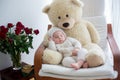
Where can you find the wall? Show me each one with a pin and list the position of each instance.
(29, 12)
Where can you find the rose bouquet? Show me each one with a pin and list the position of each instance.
(16, 39)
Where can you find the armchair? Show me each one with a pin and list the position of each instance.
(109, 71)
(113, 47)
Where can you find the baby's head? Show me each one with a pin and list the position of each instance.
(57, 35)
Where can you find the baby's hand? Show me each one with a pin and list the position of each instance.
(74, 52)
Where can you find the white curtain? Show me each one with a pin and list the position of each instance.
(116, 20)
(112, 12)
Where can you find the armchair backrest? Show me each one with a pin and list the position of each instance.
(93, 11)
(101, 25)
(93, 8)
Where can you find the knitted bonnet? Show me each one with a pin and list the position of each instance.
(52, 30)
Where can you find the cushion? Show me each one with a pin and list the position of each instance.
(101, 25)
(104, 71)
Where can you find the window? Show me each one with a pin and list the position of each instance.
(112, 13)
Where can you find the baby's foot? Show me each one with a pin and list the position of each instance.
(85, 65)
(76, 66)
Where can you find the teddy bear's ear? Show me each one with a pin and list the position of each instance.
(78, 3)
(46, 9)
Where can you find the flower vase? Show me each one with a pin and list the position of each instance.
(16, 60)
(16, 39)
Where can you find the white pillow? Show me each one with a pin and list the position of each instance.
(100, 23)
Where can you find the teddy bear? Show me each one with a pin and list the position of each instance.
(67, 15)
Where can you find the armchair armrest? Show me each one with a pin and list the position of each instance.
(38, 59)
(38, 55)
(114, 49)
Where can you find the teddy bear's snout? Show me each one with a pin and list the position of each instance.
(65, 24)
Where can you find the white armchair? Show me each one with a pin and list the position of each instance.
(94, 12)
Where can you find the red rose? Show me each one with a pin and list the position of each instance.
(2, 35)
(3, 29)
(28, 30)
(3, 32)
(17, 31)
(9, 25)
(36, 31)
(19, 25)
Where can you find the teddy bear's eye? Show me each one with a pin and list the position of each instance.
(67, 15)
(59, 17)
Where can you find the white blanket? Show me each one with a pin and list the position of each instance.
(104, 71)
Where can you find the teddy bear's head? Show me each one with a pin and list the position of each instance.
(64, 13)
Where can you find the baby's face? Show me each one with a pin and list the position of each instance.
(59, 37)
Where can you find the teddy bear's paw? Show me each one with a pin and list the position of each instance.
(94, 60)
(51, 57)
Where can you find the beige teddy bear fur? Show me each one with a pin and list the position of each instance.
(67, 15)
(51, 59)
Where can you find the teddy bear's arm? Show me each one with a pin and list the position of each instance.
(93, 33)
